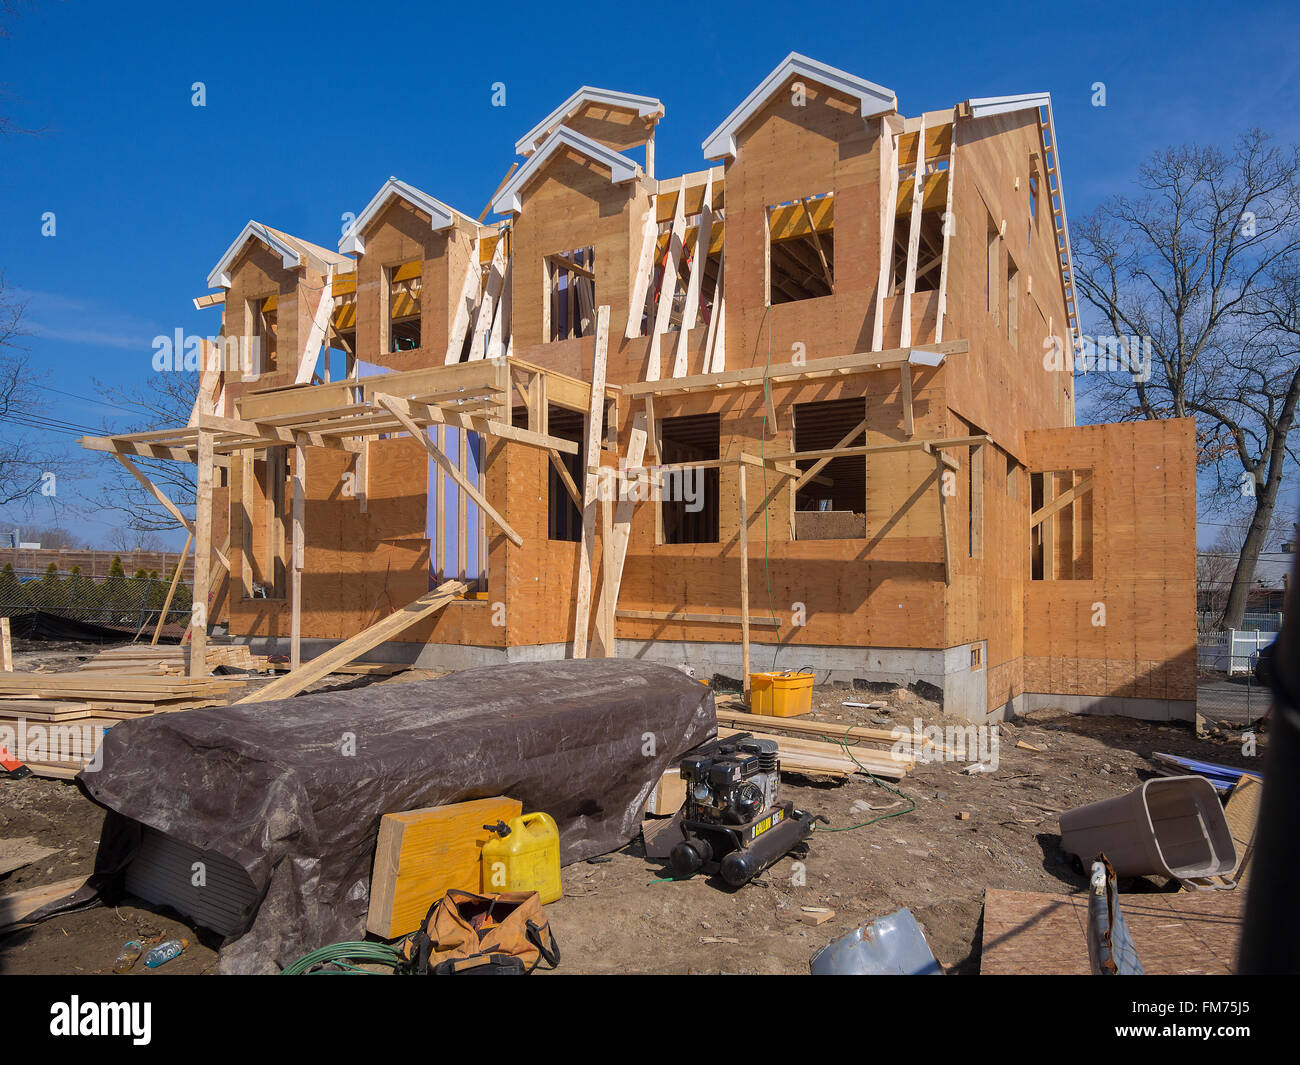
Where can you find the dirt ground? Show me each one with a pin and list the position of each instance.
(619, 914)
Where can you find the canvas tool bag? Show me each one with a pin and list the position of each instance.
(489, 935)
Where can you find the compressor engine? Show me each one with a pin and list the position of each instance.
(733, 821)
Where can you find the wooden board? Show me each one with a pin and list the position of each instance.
(310, 672)
(1039, 934)
(421, 854)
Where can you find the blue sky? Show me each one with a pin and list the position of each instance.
(309, 109)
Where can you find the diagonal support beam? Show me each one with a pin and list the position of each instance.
(1060, 502)
(168, 505)
(400, 409)
(595, 419)
(820, 464)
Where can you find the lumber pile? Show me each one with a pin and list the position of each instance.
(63, 716)
(170, 661)
(819, 758)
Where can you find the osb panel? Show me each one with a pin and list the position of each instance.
(1131, 629)
(1029, 933)
(616, 127)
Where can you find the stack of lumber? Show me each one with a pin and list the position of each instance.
(854, 749)
(64, 715)
(1223, 777)
(140, 659)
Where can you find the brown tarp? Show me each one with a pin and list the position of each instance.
(293, 790)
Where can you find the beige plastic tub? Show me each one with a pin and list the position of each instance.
(1170, 826)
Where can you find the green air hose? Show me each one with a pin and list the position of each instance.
(354, 951)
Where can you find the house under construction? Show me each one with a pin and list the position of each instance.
(809, 406)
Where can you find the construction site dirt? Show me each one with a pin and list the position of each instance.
(933, 843)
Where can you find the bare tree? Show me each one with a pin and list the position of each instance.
(165, 399)
(1198, 271)
(55, 538)
(9, 12)
(134, 541)
(30, 466)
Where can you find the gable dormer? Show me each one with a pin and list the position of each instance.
(577, 205)
(619, 120)
(412, 254)
(274, 285)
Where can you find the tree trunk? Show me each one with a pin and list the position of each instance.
(1260, 522)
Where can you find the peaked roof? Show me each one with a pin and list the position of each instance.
(644, 106)
(1001, 105)
(293, 252)
(441, 216)
(874, 99)
(621, 168)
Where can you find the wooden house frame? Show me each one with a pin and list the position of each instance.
(850, 337)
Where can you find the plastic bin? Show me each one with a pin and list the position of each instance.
(780, 694)
(1170, 826)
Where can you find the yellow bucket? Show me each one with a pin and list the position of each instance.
(780, 694)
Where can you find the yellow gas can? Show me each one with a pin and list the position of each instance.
(525, 858)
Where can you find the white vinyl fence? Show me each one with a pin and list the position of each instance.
(1232, 651)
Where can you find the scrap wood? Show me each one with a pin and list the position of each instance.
(349, 650)
(1223, 777)
(16, 908)
(1038, 933)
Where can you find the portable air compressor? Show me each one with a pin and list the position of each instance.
(733, 821)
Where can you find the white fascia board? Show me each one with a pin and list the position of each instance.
(873, 99)
(644, 106)
(926, 358)
(1002, 105)
(220, 275)
(621, 168)
(441, 216)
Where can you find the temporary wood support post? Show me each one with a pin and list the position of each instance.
(6, 646)
(913, 235)
(622, 528)
(889, 136)
(644, 272)
(744, 576)
(488, 305)
(691, 310)
(171, 591)
(947, 236)
(401, 410)
(668, 283)
(297, 548)
(943, 520)
(464, 306)
(386, 629)
(905, 393)
(202, 555)
(595, 416)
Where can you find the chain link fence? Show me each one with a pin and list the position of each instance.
(116, 600)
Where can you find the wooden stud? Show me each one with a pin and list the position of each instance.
(913, 236)
(621, 533)
(171, 590)
(888, 205)
(202, 555)
(7, 646)
(744, 576)
(297, 549)
(586, 552)
(905, 393)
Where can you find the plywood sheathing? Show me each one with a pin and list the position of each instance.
(1143, 514)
